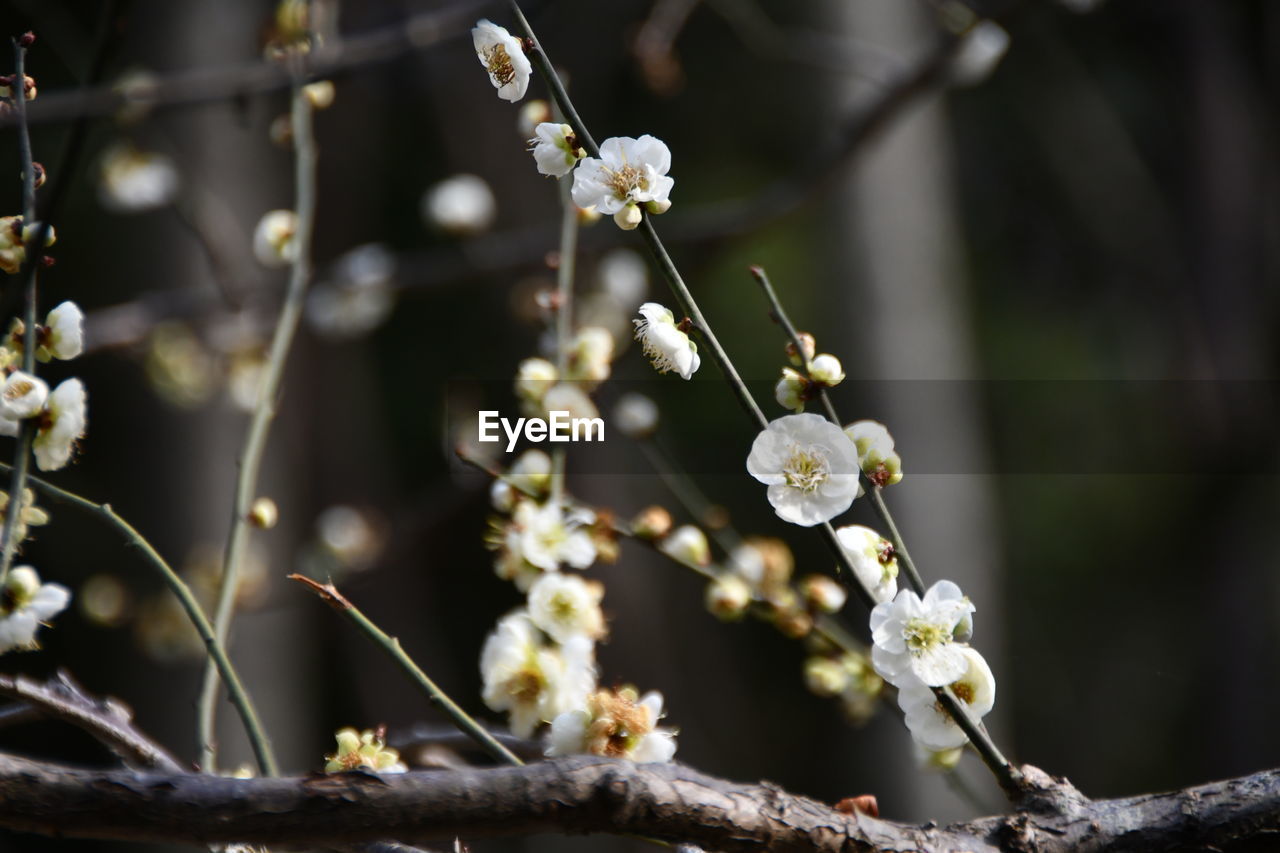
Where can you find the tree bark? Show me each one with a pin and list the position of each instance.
(588, 795)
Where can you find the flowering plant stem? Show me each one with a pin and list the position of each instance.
(872, 491)
(564, 316)
(256, 440)
(464, 721)
(27, 431)
(1008, 777)
(235, 688)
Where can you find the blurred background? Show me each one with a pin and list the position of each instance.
(1046, 253)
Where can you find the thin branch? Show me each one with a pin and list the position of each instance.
(195, 86)
(255, 444)
(235, 688)
(564, 317)
(106, 719)
(588, 795)
(464, 721)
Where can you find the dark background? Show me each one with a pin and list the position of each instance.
(1102, 219)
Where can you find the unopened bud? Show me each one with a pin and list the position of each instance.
(628, 219)
(810, 346)
(319, 94)
(652, 522)
(792, 390)
(687, 544)
(826, 370)
(795, 624)
(27, 39)
(825, 677)
(822, 594)
(658, 206)
(40, 174)
(264, 514)
(728, 597)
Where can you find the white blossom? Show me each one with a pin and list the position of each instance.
(665, 345)
(357, 297)
(590, 354)
(616, 724)
(22, 396)
(569, 397)
(532, 681)
(873, 559)
(915, 638)
(628, 172)
(792, 390)
(63, 334)
(688, 544)
(930, 724)
(548, 536)
(555, 149)
(462, 204)
(826, 370)
(25, 605)
(503, 57)
(62, 426)
(133, 180)
(635, 415)
(273, 239)
(534, 377)
(876, 455)
(810, 467)
(565, 606)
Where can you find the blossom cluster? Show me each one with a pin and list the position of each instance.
(60, 414)
(630, 173)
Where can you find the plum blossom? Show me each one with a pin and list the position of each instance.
(915, 639)
(61, 426)
(628, 172)
(810, 467)
(566, 606)
(555, 149)
(873, 559)
(503, 57)
(25, 605)
(930, 724)
(532, 681)
(664, 343)
(617, 724)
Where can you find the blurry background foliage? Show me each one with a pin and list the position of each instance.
(1106, 204)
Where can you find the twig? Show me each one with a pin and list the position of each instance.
(28, 427)
(872, 491)
(264, 413)
(235, 688)
(465, 723)
(564, 317)
(106, 719)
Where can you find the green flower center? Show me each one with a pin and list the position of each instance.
(806, 469)
(922, 635)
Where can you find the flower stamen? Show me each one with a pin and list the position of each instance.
(806, 469)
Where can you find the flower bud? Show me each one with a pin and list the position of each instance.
(658, 206)
(792, 390)
(728, 597)
(32, 231)
(826, 370)
(687, 544)
(534, 377)
(264, 513)
(636, 416)
(652, 522)
(273, 243)
(825, 677)
(809, 345)
(795, 624)
(822, 594)
(628, 219)
(319, 94)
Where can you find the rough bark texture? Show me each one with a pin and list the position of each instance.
(583, 795)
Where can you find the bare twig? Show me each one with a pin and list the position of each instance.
(106, 719)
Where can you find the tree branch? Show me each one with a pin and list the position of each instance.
(587, 795)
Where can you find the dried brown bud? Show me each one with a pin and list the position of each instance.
(864, 804)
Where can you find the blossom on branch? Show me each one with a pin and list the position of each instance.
(617, 724)
(503, 57)
(873, 559)
(530, 680)
(566, 606)
(61, 426)
(25, 605)
(555, 149)
(628, 173)
(810, 467)
(915, 639)
(930, 724)
(664, 343)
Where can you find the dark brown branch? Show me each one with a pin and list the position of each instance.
(222, 83)
(108, 720)
(587, 795)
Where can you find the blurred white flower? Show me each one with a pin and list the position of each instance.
(549, 537)
(566, 606)
(503, 57)
(980, 51)
(688, 544)
(273, 243)
(624, 275)
(635, 415)
(590, 354)
(25, 605)
(810, 467)
(792, 390)
(357, 297)
(462, 204)
(533, 682)
(914, 638)
(664, 344)
(133, 180)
